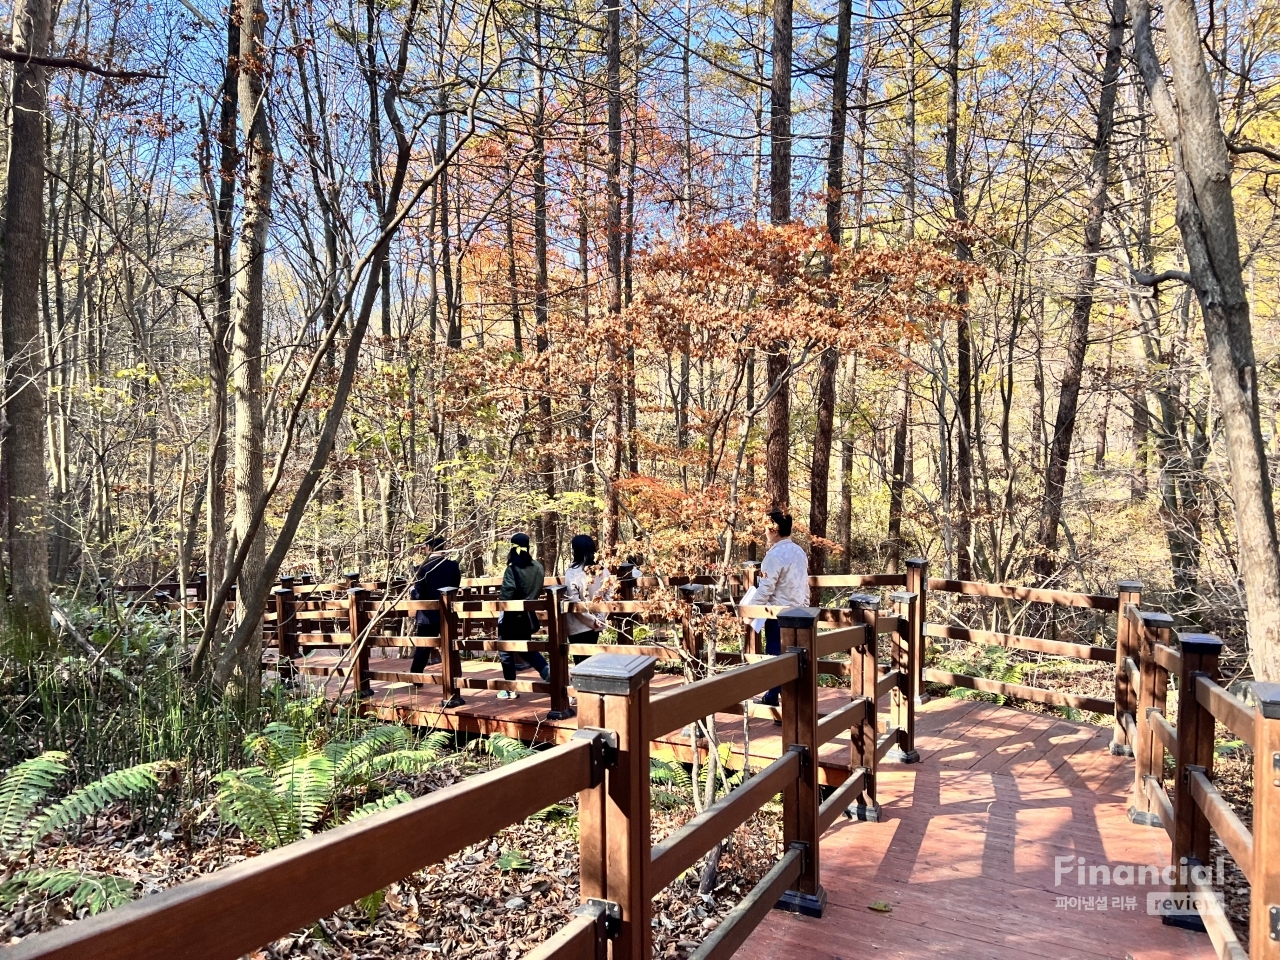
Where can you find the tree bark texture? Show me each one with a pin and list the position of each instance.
(778, 428)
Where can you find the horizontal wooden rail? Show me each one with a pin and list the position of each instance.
(1135, 674)
(502, 646)
(1059, 648)
(1034, 694)
(834, 724)
(675, 854)
(1233, 713)
(1166, 733)
(888, 740)
(674, 709)
(239, 908)
(734, 929)
(584, 937)
(1235, 836)
(1001, 591)
(1221, 934)
(833, 668)
(840, 641)
(892, 680)
(644, 649)
(1167, 658)
(519, 686)
(1159, 798)
(859, 580)
(845, 796)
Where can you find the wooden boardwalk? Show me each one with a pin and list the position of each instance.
(964, 854)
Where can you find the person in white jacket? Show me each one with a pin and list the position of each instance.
(783, 582)
(583, 583)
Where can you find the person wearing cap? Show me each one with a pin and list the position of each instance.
(438, 570)
(783, 582)
(581, 586)
(523, 580)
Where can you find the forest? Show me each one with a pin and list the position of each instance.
(294, 287)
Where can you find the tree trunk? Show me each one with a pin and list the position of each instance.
(820, 469)
(1077, 336)
(778, 431)
(613, 224)
(246, 350)
(1206, 218)
(26, 492)
(541, 296)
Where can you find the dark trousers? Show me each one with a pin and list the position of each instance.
(511, 662)
(773, 648)
(423, 657)
(587, 636)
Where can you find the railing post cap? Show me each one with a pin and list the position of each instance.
(1199, 643)
(1129, 586)
(286, 580)
(357, 589)
(1267, 697)
(863, 601)
(692, 587)
(1156, 618)
(917, 562)
(903, 596)
(612, 674)
(283, 591)
(798, 617)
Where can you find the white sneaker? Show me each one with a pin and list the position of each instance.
(508, 695)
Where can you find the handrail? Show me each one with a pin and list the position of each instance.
(1035, 694)
(746, 916)
(1235, 836)
(1003, 591)
(834, 724)
(237, 909)
(582, 938)
(1060, 648)
(1234, 714)
(840, 641)
(1167, 658)
(674, 709)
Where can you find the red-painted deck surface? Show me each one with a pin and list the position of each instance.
(965, 852)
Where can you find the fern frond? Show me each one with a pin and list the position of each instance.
(93, 798)
(25, 786)
(402, 761)
(379, 740)
(247, 799)
(376, 806)
(307, 784)
(276, 745)
(665, 771)
(502, 748)
(97, 891)
(437, 742)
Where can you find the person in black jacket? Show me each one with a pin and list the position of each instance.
(438, 570)
(523, 580)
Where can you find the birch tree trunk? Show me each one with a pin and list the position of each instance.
(26, 493)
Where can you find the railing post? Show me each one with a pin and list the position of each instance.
(1130, 592)
(800, 798)
(1264, 912)
(1148, 752)
(613, 817)
(1195, 749)
(557, 655)
(286, 629)
(359, 648)
(918, 583)
(863, 675)
(450, 662)
(902, 702)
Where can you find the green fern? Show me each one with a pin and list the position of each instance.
(248, 800)
(308, 784)
(374, 742)
(502, 748)
(670, 773)
(22, 790)
(377, 806)
(93, 798)
(276, 745)
(96, 891)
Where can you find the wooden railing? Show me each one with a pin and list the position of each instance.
(1196, 807)
(239, 909)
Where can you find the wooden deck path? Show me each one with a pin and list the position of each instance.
(964, 854)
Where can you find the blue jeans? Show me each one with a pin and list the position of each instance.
(511, 662)
(773, 648)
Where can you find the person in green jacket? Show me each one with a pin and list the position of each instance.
(523, 580)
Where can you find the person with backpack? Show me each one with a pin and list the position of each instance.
(438, 570)
(522, 580)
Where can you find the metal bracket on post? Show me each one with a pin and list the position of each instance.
(612, 915)
(604, 750)
(805, 904)
(803, 654)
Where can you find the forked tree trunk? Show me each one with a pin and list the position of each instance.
(1206, 218)
(1077, 335)
(26, 491)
